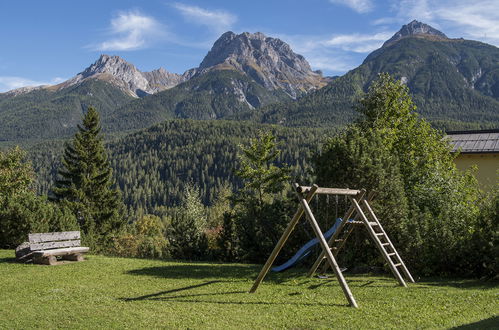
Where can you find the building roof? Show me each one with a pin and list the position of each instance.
(484, 141)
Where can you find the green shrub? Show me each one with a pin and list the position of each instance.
(27, 213)
(145, 238)
(186, 233)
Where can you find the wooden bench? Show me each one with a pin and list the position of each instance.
(46, 247)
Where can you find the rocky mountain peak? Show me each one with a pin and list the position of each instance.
(126, 76)
(415, 28)
(269, 61)
(114, 65)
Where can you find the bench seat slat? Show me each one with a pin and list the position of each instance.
(54, 245)
(56, 236)
(61, 252)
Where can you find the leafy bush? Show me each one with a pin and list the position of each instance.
(21, 211)
(32, 214)
(145, 238)
(426, 205)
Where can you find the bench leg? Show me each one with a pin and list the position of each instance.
(49, 260)
(74, 257)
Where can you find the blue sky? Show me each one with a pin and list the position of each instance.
(46, 42)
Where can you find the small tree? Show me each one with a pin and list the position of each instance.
(261, 209)
(262, 178)
(186, 234)
(86, 183)
(21, 211)
(16, 174)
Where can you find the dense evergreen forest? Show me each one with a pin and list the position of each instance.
(152, 166)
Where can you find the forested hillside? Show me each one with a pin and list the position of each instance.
(213, 95)
(152, 166)
(45, 113)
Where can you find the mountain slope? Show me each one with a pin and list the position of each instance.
(44, 113)
(153, 165)
(454, 83)
(213, 95)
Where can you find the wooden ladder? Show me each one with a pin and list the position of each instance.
(375, 230)
(383, 242)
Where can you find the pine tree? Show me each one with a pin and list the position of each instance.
(86, 183)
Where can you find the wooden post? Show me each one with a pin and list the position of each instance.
(329, 255)
(347, 216)
(283, 239)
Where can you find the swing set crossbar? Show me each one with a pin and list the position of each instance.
(328, 191)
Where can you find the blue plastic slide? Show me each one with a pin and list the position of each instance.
(305, 249)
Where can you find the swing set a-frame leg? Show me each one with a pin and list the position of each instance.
(282, 240)
(329, 255)
(322, 255)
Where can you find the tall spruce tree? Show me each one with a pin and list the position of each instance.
(85, 183)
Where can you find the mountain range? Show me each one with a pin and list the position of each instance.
(454, 82)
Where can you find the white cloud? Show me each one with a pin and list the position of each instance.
(360, 6)
(131, 30)
(335, 54)
(216, 20)
(335, 64)
(358, 43)
(8, 83)
(477, 20)
(457, 18)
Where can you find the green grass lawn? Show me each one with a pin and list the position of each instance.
(105, 292)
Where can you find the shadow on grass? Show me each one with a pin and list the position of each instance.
(490, 323)
(235, 272)
(214, 271)
(460, 283)
(9, 260)
(194, 297)
(151, 296)
(197, 271)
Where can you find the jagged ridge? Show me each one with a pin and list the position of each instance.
(415, 28)
(269, 61)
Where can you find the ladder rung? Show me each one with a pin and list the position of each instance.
(396, 265)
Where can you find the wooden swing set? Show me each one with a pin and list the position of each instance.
(358, 214)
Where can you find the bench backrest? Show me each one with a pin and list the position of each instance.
(46, 241)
